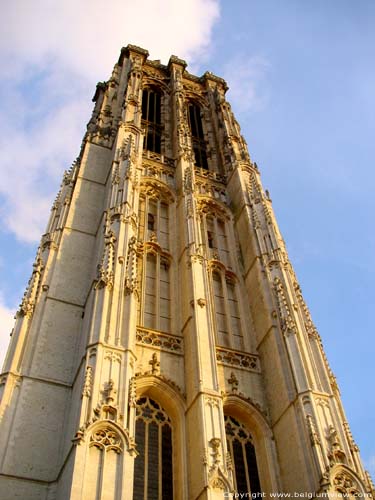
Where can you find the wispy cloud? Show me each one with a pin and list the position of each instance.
(247, 80)
(53, 54)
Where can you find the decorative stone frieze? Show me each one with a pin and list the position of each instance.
(161, 340)
(230, 357)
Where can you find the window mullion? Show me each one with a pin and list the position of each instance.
(144, 270)
(157, 292)
(157, 232)
(216, 239)
(230, 441)
(246, 466)
(154, 128)
(227, 310)
(160, 463)
(146, 462)
(148, 106)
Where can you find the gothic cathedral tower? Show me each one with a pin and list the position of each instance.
(163, 349)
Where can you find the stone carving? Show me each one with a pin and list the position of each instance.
(158, 158)
(110, 391)
(233, 381)
(344, 483)
(212, 402)
(106, 439)
(102, 130)
(188, 181)
(113, 356)
(288, 324)
(156, 190)
(106, 267)
(131, 284)
(209, 174)
(132, 392)
(314, 438)
(215, 444)
(87, 384)
(161, 173)
(248, 400)
(164, 379)
(236, 358)
(218, 483)
(164, 341)
(207, 205)
(336, 454)
(107, 409)
(29, 299)
(154, 363)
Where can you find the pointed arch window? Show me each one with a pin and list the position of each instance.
(151, 120)
(157, 293)
(227, 312)
(215, 238)
(242, 452)
(197, 136)
(154, 221)
(221, 320)
(153, 467)
(154, 265)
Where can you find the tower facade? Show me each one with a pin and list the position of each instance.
(163, 349)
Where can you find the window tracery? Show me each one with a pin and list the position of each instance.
(197, 136)
(154, 264)
(242, 452)
(151, 119)
(153, 467)
(154, 214)
(227, 314)
(215, 238)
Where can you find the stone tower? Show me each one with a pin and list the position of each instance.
(163, 349)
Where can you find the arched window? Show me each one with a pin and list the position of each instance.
(221, 319)
(234, 313)
(227, 313)
(157, 294)
(241, 449)
(197, 136)
(154, 216)
(154, 265)
(151, 120)
(153, 468)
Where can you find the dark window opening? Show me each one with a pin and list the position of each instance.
(150, 222)
(210, 239)
(153, 467)
(197, 136)
(151, 120)
(242, 451)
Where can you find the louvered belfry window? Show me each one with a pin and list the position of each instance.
(197, 136)
(153, 469)
(242, 452)
(151, 120)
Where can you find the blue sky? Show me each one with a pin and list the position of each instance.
(302, 80)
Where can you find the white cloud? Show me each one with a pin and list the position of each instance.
(247, 80)
(52, 55)
(6, 325)
(86, 36)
